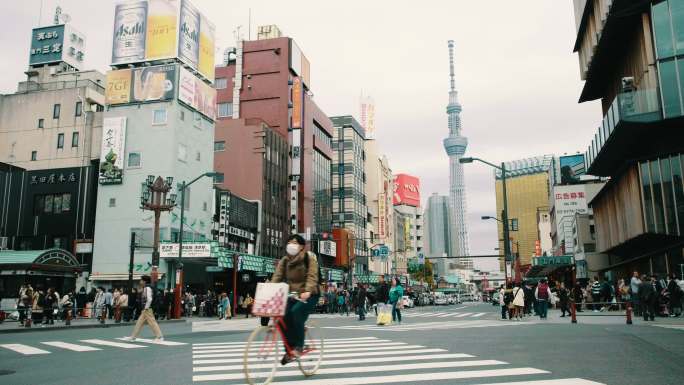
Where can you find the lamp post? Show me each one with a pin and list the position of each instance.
(155, 197)
(179, 270)
(504, 212)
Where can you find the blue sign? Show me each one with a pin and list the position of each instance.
(421, 259)
(381, 252)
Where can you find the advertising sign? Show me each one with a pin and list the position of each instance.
(407, 232)
(571, 168)
(163, 29)
(328, 248)
(406, 190)
(56, 43)
(140, 85)
(190, 250)
(297, 102)
(382, 207)
(197, 94)
(112, 152)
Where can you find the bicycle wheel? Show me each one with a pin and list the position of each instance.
(312, 355)
(262, 353)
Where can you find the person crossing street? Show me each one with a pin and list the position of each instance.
(147, 315)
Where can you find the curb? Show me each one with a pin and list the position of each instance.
(90, 326)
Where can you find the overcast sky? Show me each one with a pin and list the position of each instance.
(517, 77)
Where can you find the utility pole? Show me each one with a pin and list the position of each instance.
(130, 264)
(504, 219)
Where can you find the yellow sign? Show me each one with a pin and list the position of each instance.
(206, 49)
(118, 87)
(160, 39)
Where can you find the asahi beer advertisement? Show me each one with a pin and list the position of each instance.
(112, 153)
(163, 29)
(197, 94)
(140, 85)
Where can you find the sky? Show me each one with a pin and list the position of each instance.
(517, 77)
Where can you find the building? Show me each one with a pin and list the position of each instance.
(587, 260)
(159, 122)
(438, 233)
(630, 60)
(269, 80)
(408, 222)
(527, 186)
(349, 185)
(455, 146)
(567, 201)
(379, 224)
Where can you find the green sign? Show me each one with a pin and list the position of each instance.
(554, 260)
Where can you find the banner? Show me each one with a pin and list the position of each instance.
(197, 94)
(382, 201)
(207, 42)
(112, 152)
(297, 102)
(139, 85)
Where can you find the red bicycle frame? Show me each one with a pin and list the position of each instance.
(279, 326)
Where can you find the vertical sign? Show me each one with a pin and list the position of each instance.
(188, 36)
(112, 152)
(161, 34)
(207, 39)
(297, 102)
(382, 200)
(130, 26)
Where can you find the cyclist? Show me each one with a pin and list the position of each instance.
(293, 270)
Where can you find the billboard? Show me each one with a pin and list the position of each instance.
(190, 250)
(406, 190)
(297, 102)
(571, 168)
(112, 152)
(300, 64)
(382, 215)
(56, 43)
(197, 94)
(140, 85)
(149, 30)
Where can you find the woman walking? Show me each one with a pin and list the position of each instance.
(518, 302)
(395, 298)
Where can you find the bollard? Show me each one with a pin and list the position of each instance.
(629, 313)
(574, 313)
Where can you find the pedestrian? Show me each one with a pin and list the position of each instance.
(170, 301)
(518, 302)
(108, 303)
(634, 285)
(99, 305)
(116, 306)
(596, 294)
(123, 305)
(340, 303)
(675, 293)
(382, 292)
(49, 307)
(25, 305)
(648, 297)
(361, 296)
(529, 298)
(543, 294)
(67, 303)
(147, 315)
(396, 294)
(502, 302)
(133, 305)
(189, 303)
(38, 304)
(563, 297)
(660, 287)
(623, 292)
(247, 305)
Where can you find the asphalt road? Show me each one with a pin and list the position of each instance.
(458, 344)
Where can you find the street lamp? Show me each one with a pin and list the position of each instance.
(155, 197)
(504, 212)
(179, 269)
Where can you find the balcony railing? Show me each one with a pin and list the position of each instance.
(641, 106)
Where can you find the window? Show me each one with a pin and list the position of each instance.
(159, 116)
(662, 28)
(182, 115)
(225, 110)
(182, 152)
(60, 140)
(221, 83)
(66, 202)
(204, 206)
(112, 202)
(74, 139)
(220, 145)
(34, 155)
(79, 108)
(99, 108)
(218, 178)
(55, 111)
(41, 123)
(133, 160)
(198, 156)
(669, 88)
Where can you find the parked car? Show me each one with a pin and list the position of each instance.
(407, 301)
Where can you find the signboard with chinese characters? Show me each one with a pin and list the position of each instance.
(112, 152)
(150, 30)
(554, 260)
(569, 200)
(327, 248)
(140, 85)
(190, 250)
(57, 43)
(52, 178)
(382, 215)
(197, 94)
(297, 102)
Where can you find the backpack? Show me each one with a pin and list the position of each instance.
(508, 297)
(155, 298)
(543, 291)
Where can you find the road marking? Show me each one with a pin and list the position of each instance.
(446, 315)
(68, 346)
(24, 349)
(327, 346)
(673, 327)
(240, 353)
(243, 343)
(563, 381)
(336, 355)
(479, 314)
(151, 341)
(327, 343)
(356, 369)
(112, 343)
(460, 315)
(367, 360)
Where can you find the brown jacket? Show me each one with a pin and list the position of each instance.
(298, 278)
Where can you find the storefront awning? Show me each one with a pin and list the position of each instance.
(118, 276)
(248, 262)
(51, 259)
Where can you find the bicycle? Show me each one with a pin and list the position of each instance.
(264, 351)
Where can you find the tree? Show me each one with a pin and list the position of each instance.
(420, 272)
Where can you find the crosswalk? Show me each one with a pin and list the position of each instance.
(397, 327)
(372, 360)
(674, 327)
(87, 345)
(409, 314)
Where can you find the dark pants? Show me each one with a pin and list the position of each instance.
(504, 312)
(543, 308)
(564, 308)
(295, 317)
(650, 309)
(362, 312)
(396, 313)
(344, 309)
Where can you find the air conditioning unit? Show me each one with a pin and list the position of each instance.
(3, 243)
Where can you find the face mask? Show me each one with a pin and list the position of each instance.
(292, 249)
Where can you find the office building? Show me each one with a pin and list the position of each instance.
(380, 221)
(408, 221)
(438, 233)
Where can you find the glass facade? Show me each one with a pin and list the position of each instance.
(275, 199)
(322, 182)
(668, 27)
(663, 194)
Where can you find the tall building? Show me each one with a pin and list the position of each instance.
(438, 232)
(408, 221)
(349, 209)
(379, 225)
(527, 189)
(630, 56)
(455, 146)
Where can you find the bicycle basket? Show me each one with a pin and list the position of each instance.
(270, 299)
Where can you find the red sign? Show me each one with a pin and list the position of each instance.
(406, 190)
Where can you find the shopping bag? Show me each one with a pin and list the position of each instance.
(270, 299)
(384, 314)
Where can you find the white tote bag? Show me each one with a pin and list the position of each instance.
(270, 299)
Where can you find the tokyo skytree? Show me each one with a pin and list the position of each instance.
(455, 146)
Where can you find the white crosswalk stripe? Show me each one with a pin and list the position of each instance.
(405, 313)
(675, 327)
(89, 345)
(397, 364)
(396, 327)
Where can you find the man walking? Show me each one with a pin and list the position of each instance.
(596, 294)
(382, 293)
(543, 293)
(361, 302)
(147, 315)
(648, 298)
(634, 285)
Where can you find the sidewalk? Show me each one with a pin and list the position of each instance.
(607, 318)
(80, 323)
